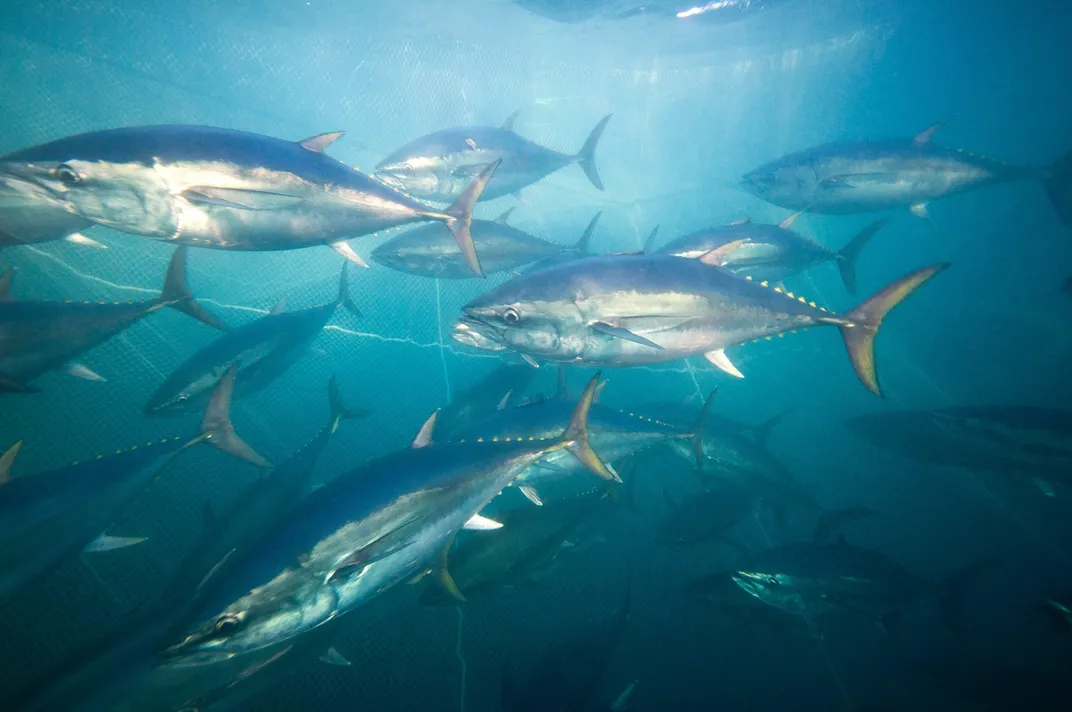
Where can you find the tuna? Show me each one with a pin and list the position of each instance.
(439, 166)
(639, 309)
(772, 252)
(262, 351)
(358, 536)
(429, 252)
(1025, 441)
(38, 337)
(867, 176)
(217, 188)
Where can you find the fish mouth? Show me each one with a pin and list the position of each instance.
(475, 332)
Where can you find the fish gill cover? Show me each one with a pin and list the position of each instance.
(949, 123)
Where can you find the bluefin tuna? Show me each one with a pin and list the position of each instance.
(614, 434)
(817, 580)
(636, 309)
(1024, 441)
(119, 670)
(220, 188)
(772, 252)
(262, 350)
(429, 252)
(52, 515)
(438, 166)
(358, 536)
(37, 337)
(866, 176)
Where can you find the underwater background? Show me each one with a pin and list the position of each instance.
(696, 103)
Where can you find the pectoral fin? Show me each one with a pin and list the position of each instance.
(239, 199)
(104, 542)
(333, 657)
(344, 249)
(856, 180)
(80, 370)
(77, 238)
(1045, 487)
(481, 523)
(721, 360)
(624, 334)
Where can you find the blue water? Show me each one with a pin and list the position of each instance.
(697, 102)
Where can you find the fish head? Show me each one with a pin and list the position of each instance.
(123, 196)
(782, 183)
(514, 317)
(290, 605)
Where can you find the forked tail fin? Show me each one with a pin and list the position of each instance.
(863, 322)
(461, 216)
(847, 256)
(217, 428)
(178, 295)
(586, 157)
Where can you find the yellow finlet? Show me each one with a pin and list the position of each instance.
(763, 283)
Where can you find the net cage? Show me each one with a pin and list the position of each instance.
(386, 73)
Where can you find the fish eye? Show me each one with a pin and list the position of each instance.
(66, 175)
(227, 624)
(510, 316)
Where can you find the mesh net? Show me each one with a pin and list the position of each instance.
(385, 75)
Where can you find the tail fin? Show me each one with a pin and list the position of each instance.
(461, 216)
(177, 292)
(339, 409)
(831, 522)
(698, 428)
(953, 589)
(762, 432)
(5, 283)
(6, 460)
(864, 321)
(217, 428)
(343, 299)
(575, 437)
(847, 256)
(1058, 183)
(582, 245)
(586, 157)
(649, 242)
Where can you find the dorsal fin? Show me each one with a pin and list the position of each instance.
(505, 216)
(742, 221)
(318, 143)
(586, 236)
(424, 435)
(279, 306)
(5, 462)
(927, 134)
(5, 283)
(785, 224)
(508, 125)
(649, 242)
